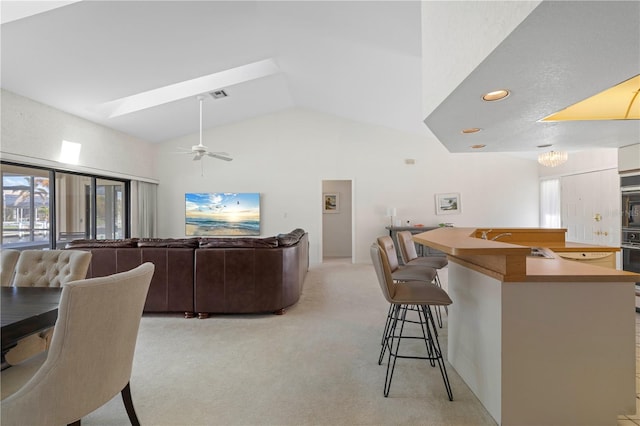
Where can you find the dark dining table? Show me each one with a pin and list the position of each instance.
(25, 311)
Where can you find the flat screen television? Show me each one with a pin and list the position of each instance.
(222, 213)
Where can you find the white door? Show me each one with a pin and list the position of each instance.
(591, 207)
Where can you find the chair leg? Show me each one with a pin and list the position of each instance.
(391, 365)
(437, 352)
(386, 325)
(438, 308)
(387, 331)
(439, 316)
(128, 405)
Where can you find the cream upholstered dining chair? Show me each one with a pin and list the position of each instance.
(45, 268)
(9, 258)
(91, 354)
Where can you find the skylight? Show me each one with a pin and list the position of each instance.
(186, 89)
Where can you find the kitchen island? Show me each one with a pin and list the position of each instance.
(540, 340)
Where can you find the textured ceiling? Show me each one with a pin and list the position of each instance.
(562, 53)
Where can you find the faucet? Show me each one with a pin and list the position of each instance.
(484, 235)
(504, 234)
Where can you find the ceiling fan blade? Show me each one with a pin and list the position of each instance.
(220, 156)
(197, 157)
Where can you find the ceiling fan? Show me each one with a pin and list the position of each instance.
(199, 151)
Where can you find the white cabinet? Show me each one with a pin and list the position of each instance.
(629, 158)
(591, 207)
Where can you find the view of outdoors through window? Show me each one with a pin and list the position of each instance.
(109, 209)
(84, 206)
(25, 207)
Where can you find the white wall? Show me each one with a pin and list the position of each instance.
(285, 156)
(32, 133)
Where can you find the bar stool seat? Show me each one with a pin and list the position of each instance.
(402, 297)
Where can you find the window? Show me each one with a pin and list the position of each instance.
(25, 207)
(550, 210)
(74, 210)
(109, 209)
(47, 208)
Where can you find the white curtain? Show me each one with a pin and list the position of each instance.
(550, 208)
(144, 209)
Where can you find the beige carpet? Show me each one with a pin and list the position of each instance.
(315, 365)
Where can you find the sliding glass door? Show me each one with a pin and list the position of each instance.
(74, 212)
(25, 207)
(110, 209)
(48, 208)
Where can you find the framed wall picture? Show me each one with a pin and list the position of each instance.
(330, 202)
(448, 203)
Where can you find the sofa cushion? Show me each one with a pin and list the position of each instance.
(128, 242)
(169, 242)
(291, 238)
(238, 242)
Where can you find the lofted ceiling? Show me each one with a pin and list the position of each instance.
(562, 53)
(361, 60)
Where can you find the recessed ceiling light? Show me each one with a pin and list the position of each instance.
(496, 95)
(478, 146)
(471, 130)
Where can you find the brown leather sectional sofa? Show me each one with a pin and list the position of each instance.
(210, 275)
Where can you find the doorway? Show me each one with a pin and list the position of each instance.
(337, 221)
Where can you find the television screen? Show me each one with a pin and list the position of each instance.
(222, 213)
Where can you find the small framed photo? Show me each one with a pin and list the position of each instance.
(331, 202)
(448, 203)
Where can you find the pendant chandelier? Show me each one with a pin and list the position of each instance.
(552, 158)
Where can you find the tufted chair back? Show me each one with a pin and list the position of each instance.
(8, 266)
(50, 268)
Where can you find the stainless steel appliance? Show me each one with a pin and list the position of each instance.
(630, 241)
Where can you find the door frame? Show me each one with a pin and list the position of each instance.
(321, 221)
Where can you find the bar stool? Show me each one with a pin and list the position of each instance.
(402, 295)
(410, 257)
(400, 273)
(407, 272)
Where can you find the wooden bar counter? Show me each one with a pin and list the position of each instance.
(539, 340)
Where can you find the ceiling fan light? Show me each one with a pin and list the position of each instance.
(553, 158)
